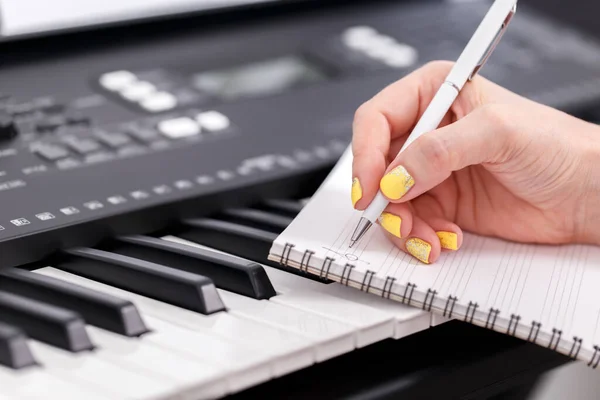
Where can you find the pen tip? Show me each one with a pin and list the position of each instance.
(352, 243)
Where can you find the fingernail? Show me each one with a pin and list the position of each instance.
(356, 191)
(419, 249)
(448, 240)
(396, 183)
(391, 223)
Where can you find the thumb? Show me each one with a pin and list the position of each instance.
(482, 136)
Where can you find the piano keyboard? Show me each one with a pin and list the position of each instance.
(199, 313)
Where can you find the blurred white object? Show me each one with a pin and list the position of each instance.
(27, 17)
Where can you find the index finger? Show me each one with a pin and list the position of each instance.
(389, 115)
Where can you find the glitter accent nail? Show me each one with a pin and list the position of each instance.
(396, 183)
(419, 249)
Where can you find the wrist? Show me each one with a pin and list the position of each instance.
(588, 217)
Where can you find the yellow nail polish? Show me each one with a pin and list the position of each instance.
(448, 240)
(391, 223)
(396, 183)
(420, 249)
(356, 191)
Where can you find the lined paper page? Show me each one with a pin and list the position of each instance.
(556, 286)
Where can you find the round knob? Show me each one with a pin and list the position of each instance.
(8, 129)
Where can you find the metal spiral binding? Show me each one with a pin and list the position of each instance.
(327, 261)
(575, 348)
(449, 308)
(534, 331)
(491, 321)
(304, 264)
(595, 358)
(512, 324)
(408, 290)
(431, 293)
(348, 267)
(367, 280)
(286, 253)
(472, 306)
(555, 333)
(387, 287)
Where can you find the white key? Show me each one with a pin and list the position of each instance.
(371, 325)
(333, 338)
(117, 80)
(37, 383)
(138, 91)
(408, 320)
(245, 368)
(107, 377)
(196, 379)
(177, 128)
(359, 37)
(159, 101)
(213, 121)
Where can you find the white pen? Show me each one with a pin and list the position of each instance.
(480, 47)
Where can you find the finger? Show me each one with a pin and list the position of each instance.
(397, 219)
(422, 243)
(481, 137)
(389, 114)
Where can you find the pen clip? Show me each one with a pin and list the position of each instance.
(494, 43)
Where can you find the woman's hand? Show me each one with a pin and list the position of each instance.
(499, 165)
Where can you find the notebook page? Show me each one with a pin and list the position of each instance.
(555, 286)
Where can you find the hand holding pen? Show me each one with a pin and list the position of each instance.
(494, 163)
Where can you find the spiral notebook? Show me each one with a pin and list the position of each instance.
(548, 295)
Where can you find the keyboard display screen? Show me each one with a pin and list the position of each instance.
(256, 79)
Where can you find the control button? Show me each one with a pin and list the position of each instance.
(67, 163)
(81, 145)
(48, 105)
(8, 129)
(51, 152)
(159, 101)
(131, 150)
(142, 134)
(20, 109)
(20, 222)
(98, 157)
(179, 127)
(401, 56)
(114, 140)
(359, 37)
(117, 80)
(77, 118)
(138, 91)
(213, 121)
(50, 124)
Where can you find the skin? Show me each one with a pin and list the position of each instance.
(499, 165)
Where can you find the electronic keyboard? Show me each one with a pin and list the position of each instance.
(146, 170)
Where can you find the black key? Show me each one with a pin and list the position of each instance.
(290, 208)
(250, 243)
(75, 118)
(179, 288)
(99, 309)
(14, 351)
(257, 219)
(46, 323)
(230, 273)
